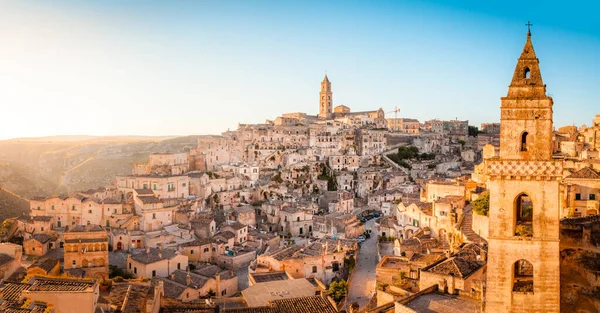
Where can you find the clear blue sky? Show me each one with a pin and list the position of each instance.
(197, 67)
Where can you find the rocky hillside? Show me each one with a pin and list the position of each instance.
(12, 205)
(53, 165)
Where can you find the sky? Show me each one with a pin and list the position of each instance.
(154, 68)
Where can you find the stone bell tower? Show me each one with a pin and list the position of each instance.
(523, 273)
(325, 107)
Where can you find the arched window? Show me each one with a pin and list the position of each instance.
(527, 73)
(522, 276)
(524, 141)
(523, 216)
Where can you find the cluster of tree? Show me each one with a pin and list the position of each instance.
(338, 290)
(350, 263)
(481, 206)
(409, 153)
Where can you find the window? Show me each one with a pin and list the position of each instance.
(33, 249)
(335, 266)
(129, 265)
(73, 208)
(154, 273)
(527, 73)
(135, 270)
(223, 292)
(523, 276)
(523, 216)
(524, 141)
(298, 219)
(90, 211)
(314, 269)
(592, 196)
(577, 196)
(178, 266)
(74, 262)
(42, 228)
(153, 216)
(154, 187)
(192, 251)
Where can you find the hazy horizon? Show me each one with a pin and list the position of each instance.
(196, 68)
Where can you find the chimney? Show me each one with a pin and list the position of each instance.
(188, 278)
(172, 276)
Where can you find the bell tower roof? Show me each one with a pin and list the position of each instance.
(527, 78)
(326, 79)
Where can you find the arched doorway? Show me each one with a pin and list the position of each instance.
(119, 246)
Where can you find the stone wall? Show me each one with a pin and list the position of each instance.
(481, 225)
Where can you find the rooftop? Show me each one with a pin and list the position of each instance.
(261, 294)
(153, 255)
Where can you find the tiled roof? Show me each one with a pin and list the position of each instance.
(111, 201)
(314, 304)
(173, 289)
(235, 225)
(5, 259)
(42, 238)
(585, 173)
(456, 267)
(262, 309)
(180, 276)
(129, 298)
(11, 292)
(269, 276)
(195, 243)
(86, 228)
(144, 191)
(61, 284)
(46, 264)
(225, 234)
(149, 199)
(154, 255)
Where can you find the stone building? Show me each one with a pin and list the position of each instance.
(86, 248)
(325, 101)
(404, 125)
(523, 265)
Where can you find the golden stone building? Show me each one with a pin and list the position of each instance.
(86, 249)
(524, 181)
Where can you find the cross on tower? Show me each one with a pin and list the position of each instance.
(529, 27)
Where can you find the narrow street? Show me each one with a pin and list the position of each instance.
(362, 286)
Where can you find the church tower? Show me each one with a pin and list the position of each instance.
(325, 107)
(523, 273)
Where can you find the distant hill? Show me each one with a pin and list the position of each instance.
(63, 164)
(11, 205)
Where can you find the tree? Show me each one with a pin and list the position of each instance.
(473, 131)
(350, 263)
(331, 184)
(219, 215)
(481, 206)
(338, 290)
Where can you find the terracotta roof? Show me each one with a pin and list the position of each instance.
(235, 225)
(11, 292)
(196, 243)
(61, 284)
(149, 199)
(154, 255)
(5, 259)
(262, 309)
(456, 267)
(129, 298)
(585, 173)
(42, 238)
(225, 234)
(314, 304)
(85, 228)
(46, 264)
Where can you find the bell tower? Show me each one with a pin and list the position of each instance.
(325, 107)
(523, 270)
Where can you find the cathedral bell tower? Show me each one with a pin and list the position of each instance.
(325, 107)
(523, 273)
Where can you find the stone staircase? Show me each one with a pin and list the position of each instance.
(467, 227)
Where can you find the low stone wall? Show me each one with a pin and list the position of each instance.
(481, 225)
(235, 262)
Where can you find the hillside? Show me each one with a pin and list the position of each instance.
(45, 166)
(11, 205)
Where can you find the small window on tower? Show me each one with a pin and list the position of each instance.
(524, 141)
(527, 73)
